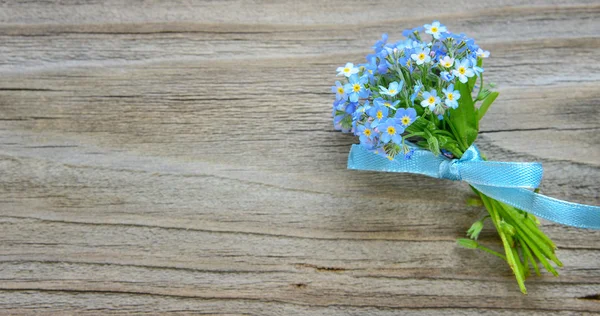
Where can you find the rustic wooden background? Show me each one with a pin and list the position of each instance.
(177, 156)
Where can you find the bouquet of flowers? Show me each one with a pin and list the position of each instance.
(416, 106)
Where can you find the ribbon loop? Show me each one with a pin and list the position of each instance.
(450, 169)
(504, 181)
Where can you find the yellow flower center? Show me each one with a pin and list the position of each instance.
(391, 130)
(434, 29)
(367, 132)
(431, 100)
(450, 96)
(379, 115)
(392, 91)
(356, 87)
(461, 70)
(422, 56)
(341, 90)
(388, 104)
(405, 120)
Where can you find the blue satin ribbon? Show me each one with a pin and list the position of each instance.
(508, 182)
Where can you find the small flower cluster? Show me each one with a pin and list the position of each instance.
(402, 82)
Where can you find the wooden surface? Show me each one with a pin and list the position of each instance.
(160, 156)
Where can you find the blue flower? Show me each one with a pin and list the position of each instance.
(411, 33)
(435, 29)
(452, 96)
(482, 53)
(351, 107)
(406, 62)
(347, 70)
(406, 116)
(389, 104)
(446, 76)
(381, 43)
(477, 70)
(391, 131)
(421, 56)
(338, 89)
(393, 89)
(362, 110)
(417, 88)
(382, 67)
(430, 99)
(447, 154)
(339, 105)
(366, 133)
(462, 70)
(355, 88)
(379, 113)
(371, 68)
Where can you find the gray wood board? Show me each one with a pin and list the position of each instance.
(177, 156)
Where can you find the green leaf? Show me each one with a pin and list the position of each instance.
(347, 122)
(485, 105)
(464, 118)
(434, 145)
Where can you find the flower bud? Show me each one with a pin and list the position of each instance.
(475, 229)
(507, 228)
(467, 243)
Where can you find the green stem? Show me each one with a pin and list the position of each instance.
(510, 255)
(495, 253)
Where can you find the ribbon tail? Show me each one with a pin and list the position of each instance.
(562, 212)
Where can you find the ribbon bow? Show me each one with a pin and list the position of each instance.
(508, 182)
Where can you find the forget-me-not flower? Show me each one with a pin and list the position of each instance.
(355, 88)
(389, 104)
(366, 133)
(338, 89)
(379, 113)
(452, 96)
(406, 116)
(393, 89)
(421, 56)
(446, 76)
(435, 29)
(347, 70)
(391, 131)
(417, 89)
(447, 61)
(482, 53)
(430, 99)
(462, 70)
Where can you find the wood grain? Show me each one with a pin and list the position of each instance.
(178, 156)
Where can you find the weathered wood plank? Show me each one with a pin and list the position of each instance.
(179, 157)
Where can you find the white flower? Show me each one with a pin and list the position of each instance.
(347, 70)
(422, 56)
(430, 99)
(482, 53)
(462, 70)
(435, 29)
(447, 61)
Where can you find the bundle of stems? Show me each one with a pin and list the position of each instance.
(524, 243)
